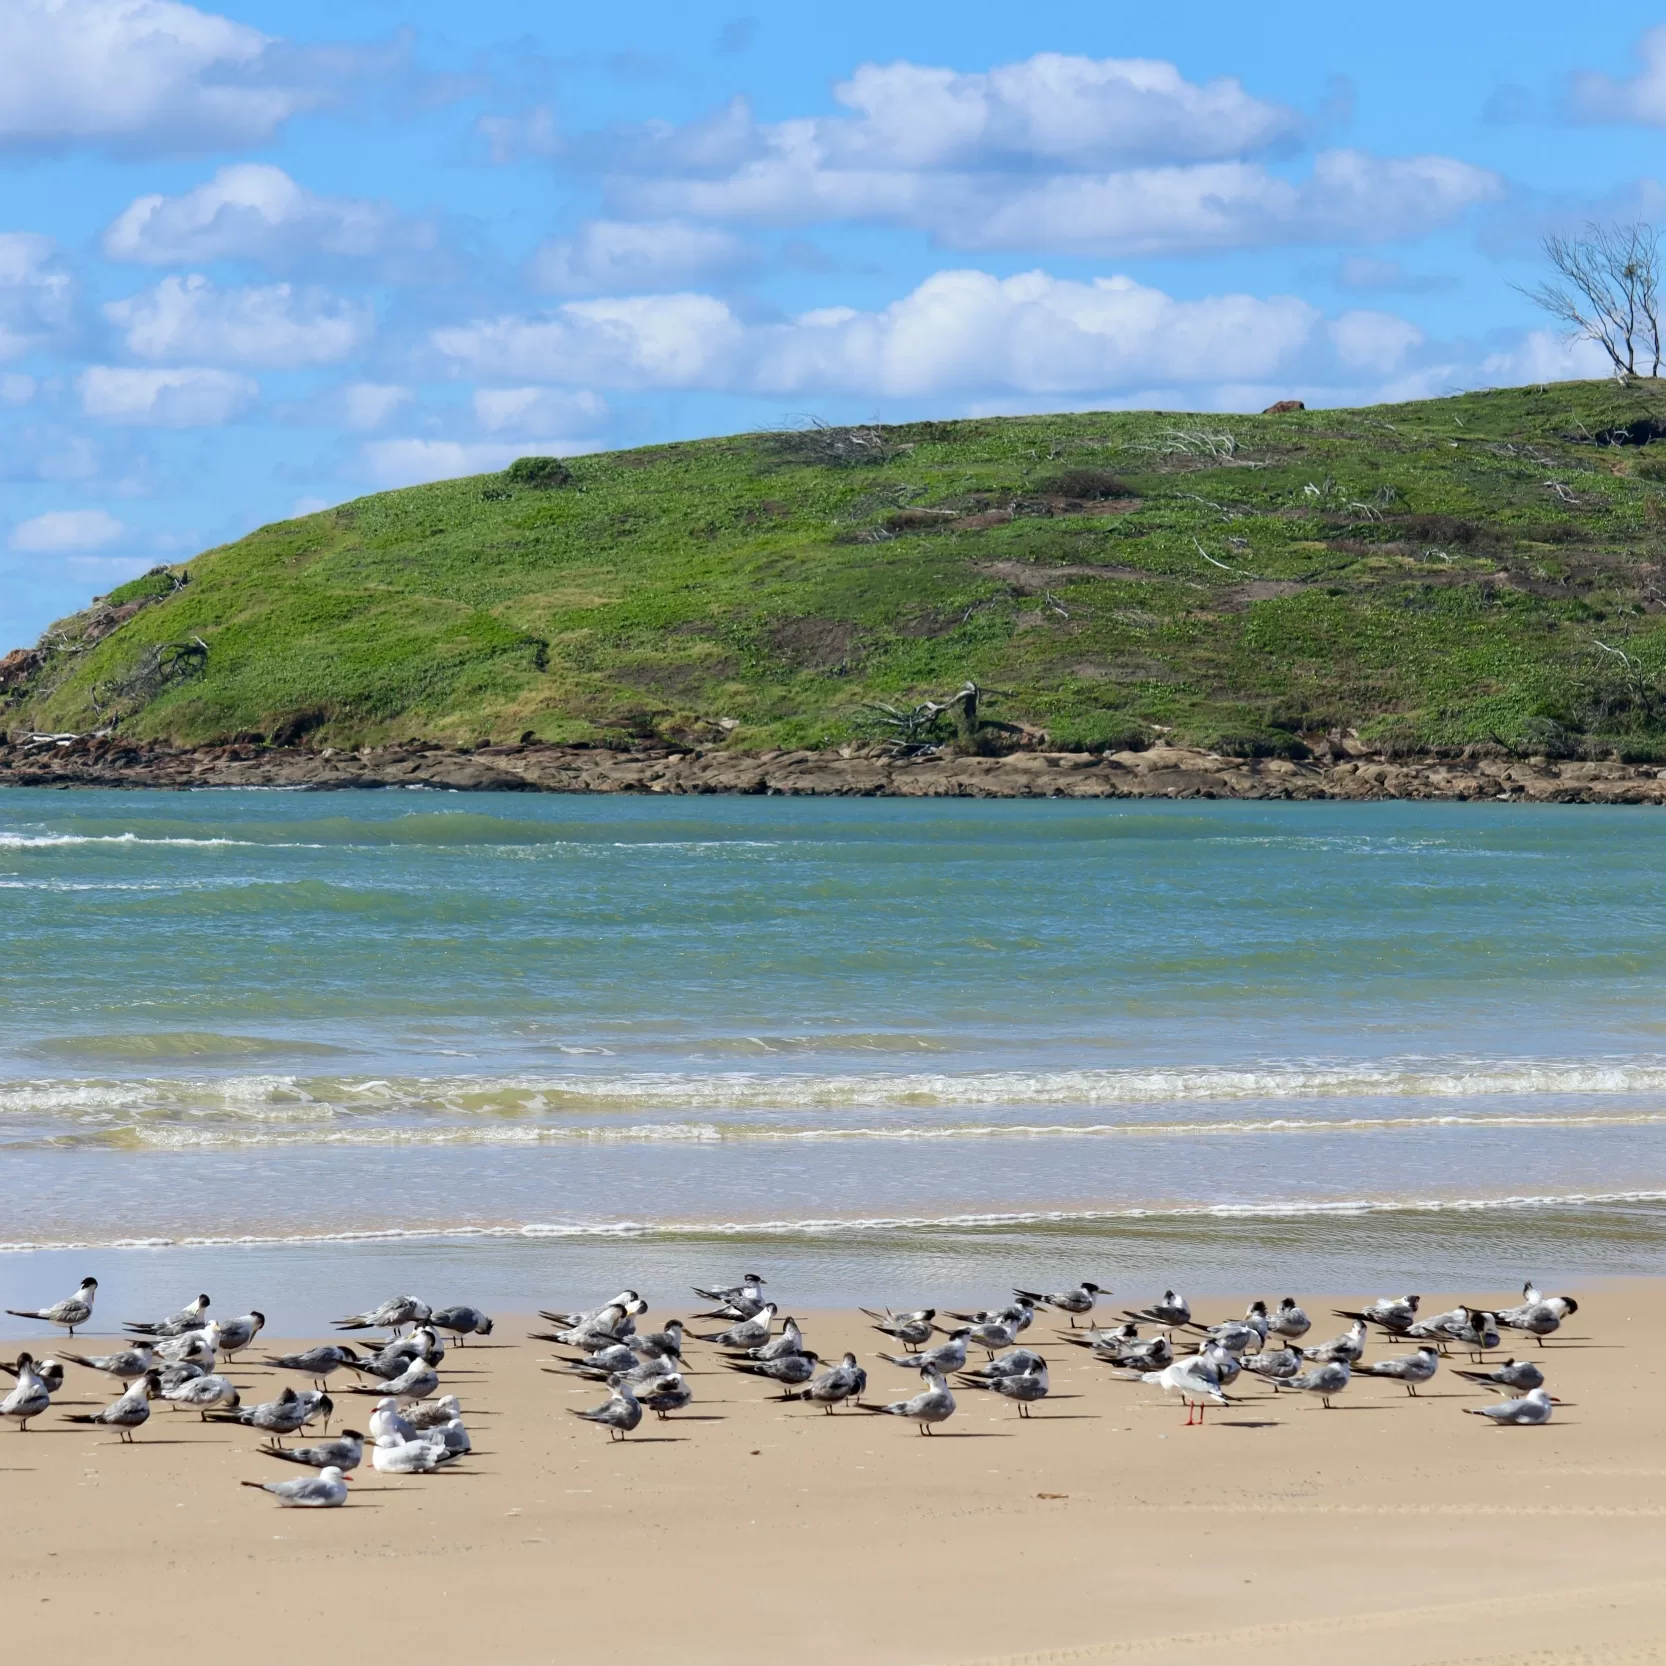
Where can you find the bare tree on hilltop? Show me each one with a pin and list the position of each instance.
(1608, 291)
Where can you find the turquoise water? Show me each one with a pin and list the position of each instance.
(542, 1042)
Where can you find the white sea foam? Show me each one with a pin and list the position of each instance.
(466, 1098)
(901, 1225)
(45, 841)
(310, 1126)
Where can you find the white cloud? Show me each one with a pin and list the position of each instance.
(623, 256)
(1347, 197)
(144, 74)
(1120, 156)
(1639, 98)
(67, 531)
(536, 410)
(35, 293)
(16, 389)
(414, 462)
(651, 342)
(184, 398)
(275, 325)
(254, 211)
(370, 404)
(959, 332)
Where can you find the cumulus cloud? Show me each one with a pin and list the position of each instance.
(1119, 156)
(614, 256)
(536, 410)
(36, 294)
(67, 531)
(413, 462)
(254, 211)
(140, 74)
(1639, 98)
(275, 325)
(180, 398)
(959, 332)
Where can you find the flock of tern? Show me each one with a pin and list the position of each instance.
(183, 1359)
(414, 1430)
(1199, 1363)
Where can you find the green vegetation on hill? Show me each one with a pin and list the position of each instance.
(1486, 569)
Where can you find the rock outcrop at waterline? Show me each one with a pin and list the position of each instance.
(1161, 772)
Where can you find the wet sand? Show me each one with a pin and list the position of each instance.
(1385, 1531)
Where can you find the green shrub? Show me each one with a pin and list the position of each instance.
(538, 474)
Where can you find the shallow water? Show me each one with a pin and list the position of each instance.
(544, 1042)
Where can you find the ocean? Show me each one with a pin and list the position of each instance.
(303, 1050)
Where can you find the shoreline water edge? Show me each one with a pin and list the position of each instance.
(112, 761)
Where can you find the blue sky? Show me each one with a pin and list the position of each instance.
(260, 258)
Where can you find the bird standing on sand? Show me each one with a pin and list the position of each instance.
(790, 1370)
(282, 1416)
(1396, 1314)
(945, 1357)
(327, 1491)
(29, 1399)
(933, 1405)
(70, 1312)
(1538, 1315)
(50, 1371)
(1274, 1365)
(749, 1333)
(668, 1394)
(1194, 1380)
(1324, 1380)
(128, 1413)
(1172, 1310)
(1022, 1387)
(1289, 1321)
(387, 1419)
(620, 1415)
(462, 1322)
(790, 1341)
(1349, 1346)
(417, 1382)
(198, 1348)
(202, 1392)
(317, 1363)
(841, 1382)
(910, 1329)
(1410, 1369)
(739, 1301)
(189, 1317)
(237, 1334)
(393, 1315)
(1079, 1300)
(1531, 1409)
(128, 1364)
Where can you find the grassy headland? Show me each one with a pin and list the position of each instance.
(1482, 570)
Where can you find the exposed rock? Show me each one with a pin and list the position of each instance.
(1161, 772)
(1283, 407)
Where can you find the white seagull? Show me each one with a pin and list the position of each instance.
(1531, 1409)
(327, 1491)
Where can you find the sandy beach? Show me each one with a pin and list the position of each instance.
(744, 1529)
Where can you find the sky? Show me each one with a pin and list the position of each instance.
(259, 259)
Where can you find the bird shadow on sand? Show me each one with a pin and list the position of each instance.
(1248, 1423)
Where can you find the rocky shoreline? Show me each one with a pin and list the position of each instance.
(1161, 772)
